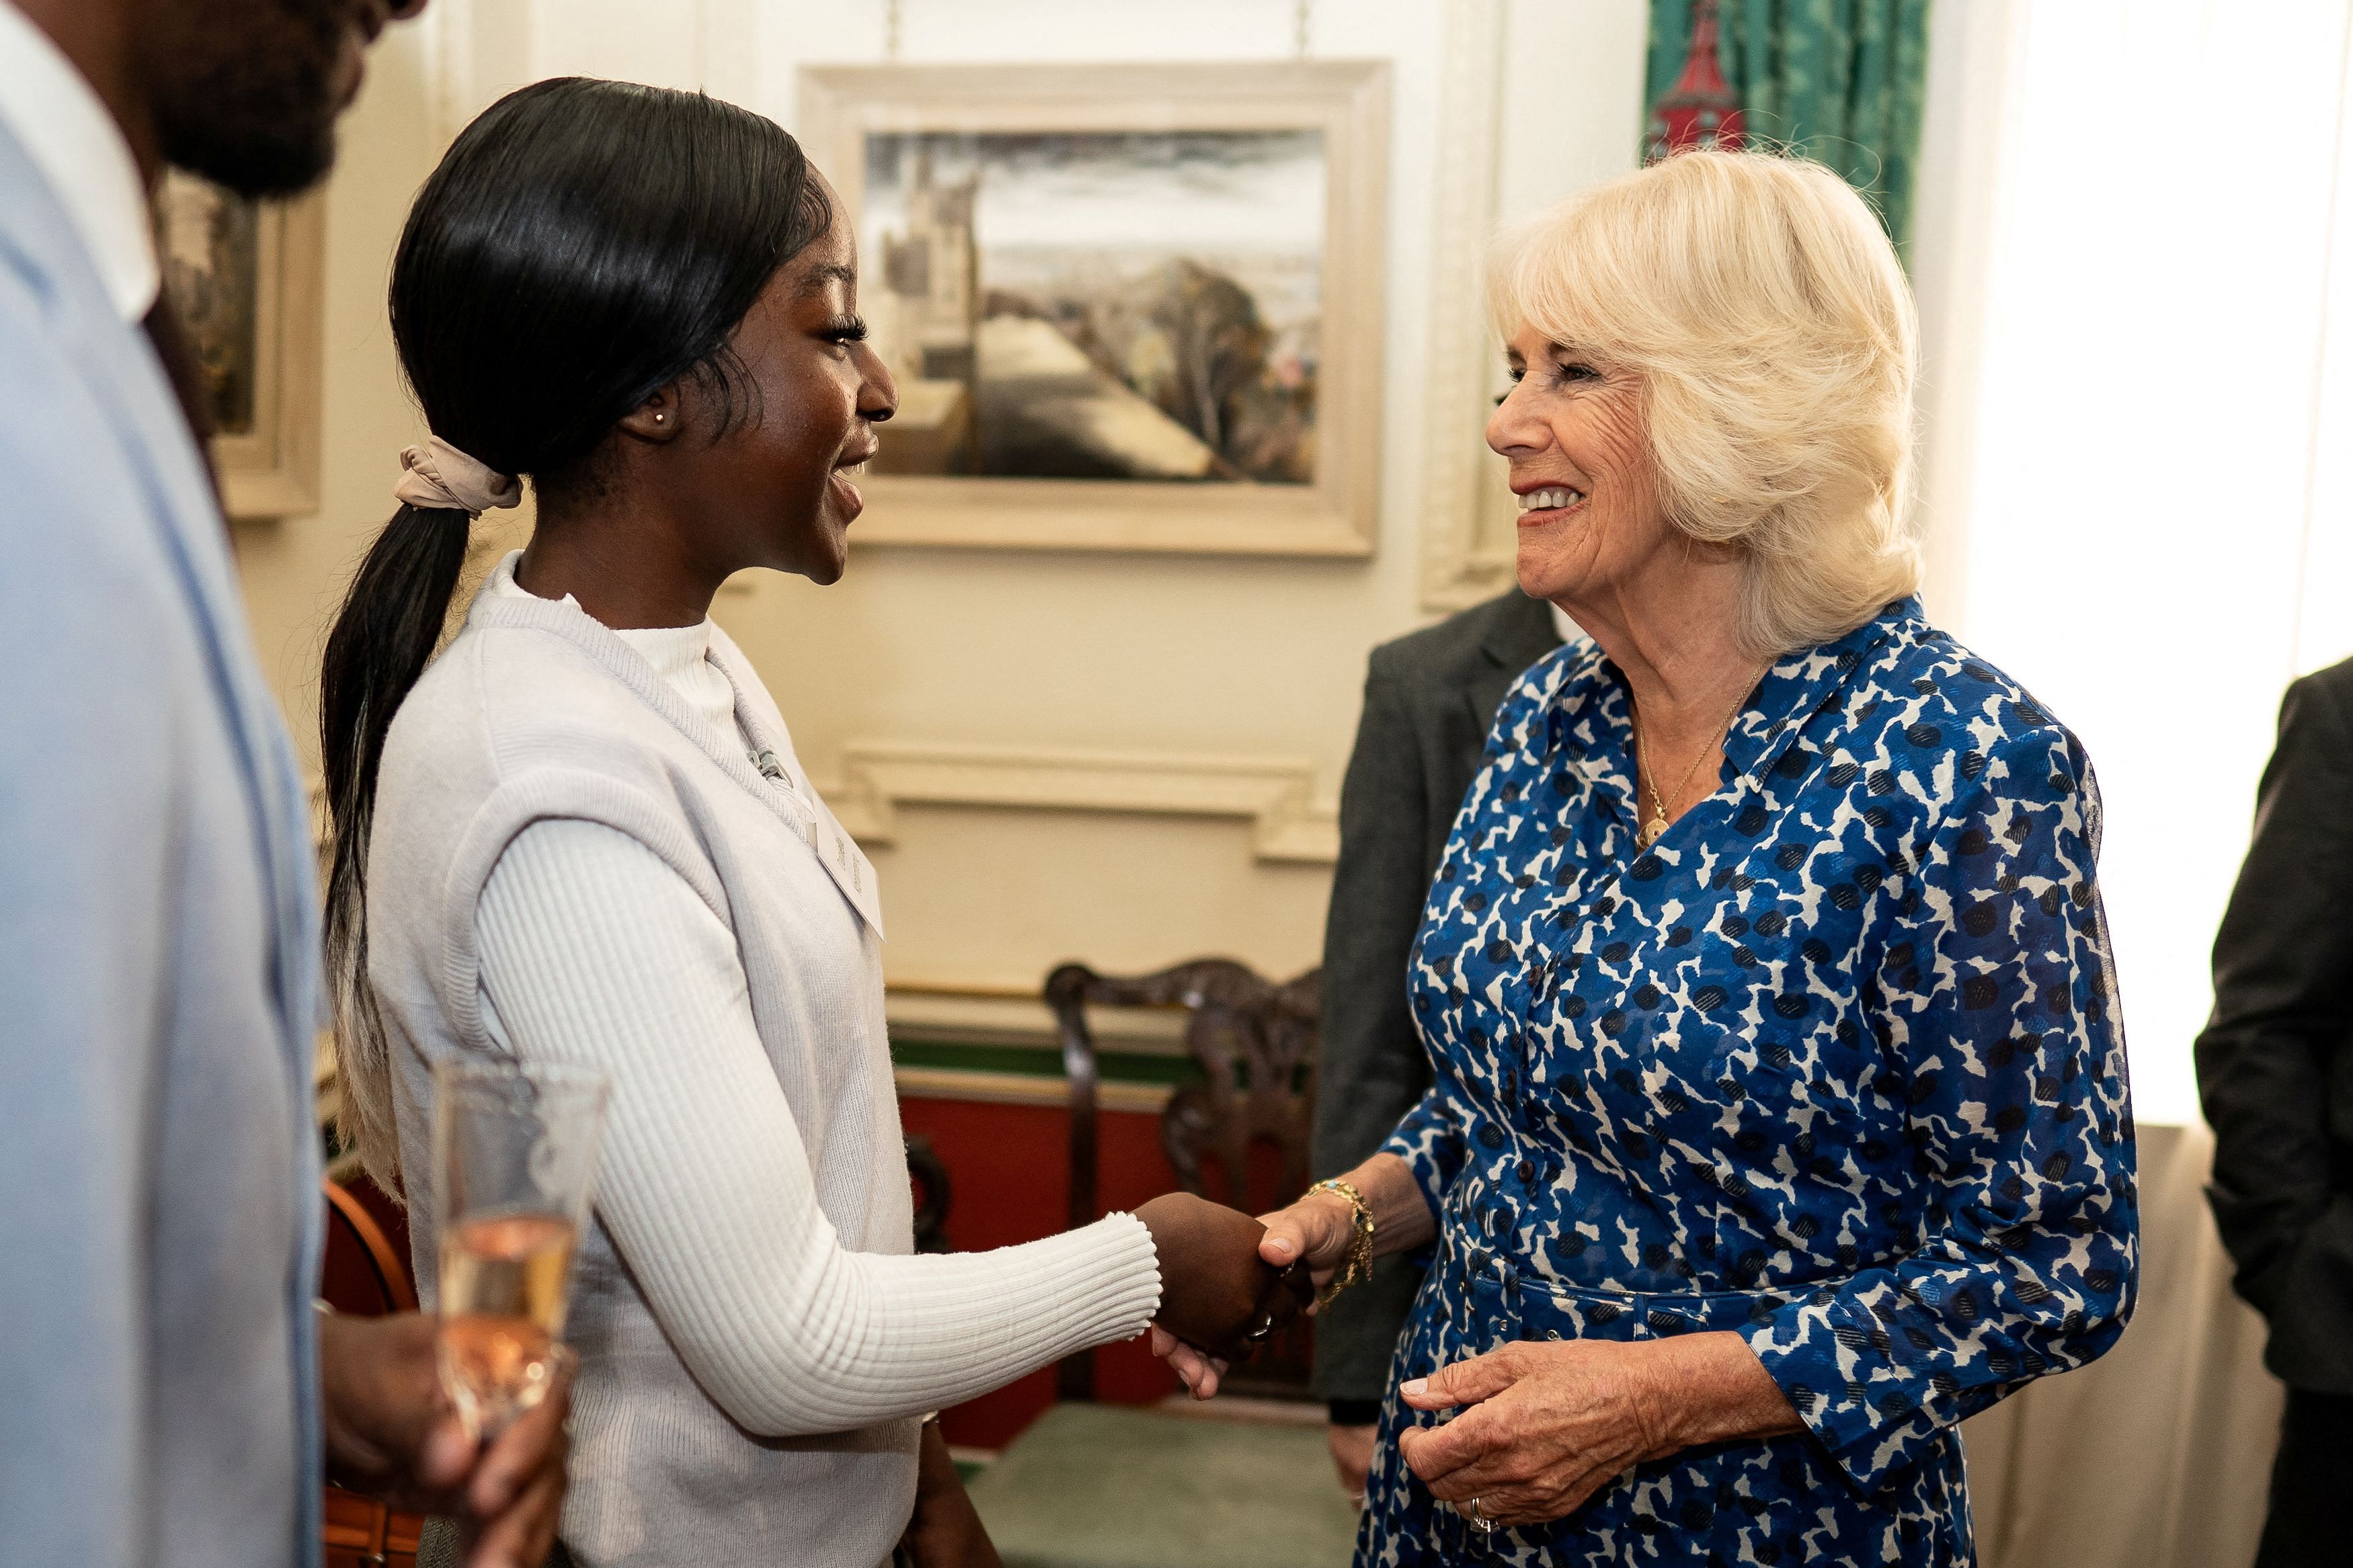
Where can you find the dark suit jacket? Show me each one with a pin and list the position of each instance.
(2275, 1064)
(1429, 699)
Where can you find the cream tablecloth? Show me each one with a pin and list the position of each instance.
(2157, 1455)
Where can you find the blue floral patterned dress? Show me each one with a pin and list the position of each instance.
(1835, 1066)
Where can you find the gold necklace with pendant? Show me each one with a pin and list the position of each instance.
(1649, 832)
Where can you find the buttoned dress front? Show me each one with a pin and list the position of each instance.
(1835, 1066)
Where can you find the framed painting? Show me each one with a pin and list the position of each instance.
(1128, 306)
(248, 280)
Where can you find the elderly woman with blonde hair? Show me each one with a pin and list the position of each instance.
(1779, 1119)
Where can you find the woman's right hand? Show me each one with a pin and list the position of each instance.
(1318, 1227)
(1315, 1231)
(1215, 1282)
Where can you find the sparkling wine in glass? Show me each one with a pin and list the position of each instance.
(515, 1148)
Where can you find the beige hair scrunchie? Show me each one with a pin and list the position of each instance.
(439, 476)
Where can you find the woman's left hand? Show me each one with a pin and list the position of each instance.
(1196, 1368)
(1550, 1425)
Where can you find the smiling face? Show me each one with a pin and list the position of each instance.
(779, 488)
(1572, 428)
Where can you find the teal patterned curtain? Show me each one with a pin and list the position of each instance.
(1840, 81)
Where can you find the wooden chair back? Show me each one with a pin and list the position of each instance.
(365, 1274)
(928, 1178)
(1255, 1043)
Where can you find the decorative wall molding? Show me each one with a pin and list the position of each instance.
(1024, 1089)
(979, 1013)
(1011, 1014)
(727, 50)
(1277, 797)
(473, 48)
(1463, 560)
(478, 50)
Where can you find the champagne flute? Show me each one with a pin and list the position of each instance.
(514, 1150)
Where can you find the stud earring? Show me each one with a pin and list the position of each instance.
(659, 418)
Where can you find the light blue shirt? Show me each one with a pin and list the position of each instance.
(159, 1204)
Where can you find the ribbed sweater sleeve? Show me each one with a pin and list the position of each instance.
(594, 951)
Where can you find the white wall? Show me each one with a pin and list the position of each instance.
(294, 569)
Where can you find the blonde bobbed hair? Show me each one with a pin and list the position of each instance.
(1759, 304)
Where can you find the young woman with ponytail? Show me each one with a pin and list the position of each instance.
(580, 835)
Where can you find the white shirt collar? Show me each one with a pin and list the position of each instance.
(1568, 629)
(74, 142)
(680, 654)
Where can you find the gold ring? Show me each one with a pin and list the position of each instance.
(1478, 1518)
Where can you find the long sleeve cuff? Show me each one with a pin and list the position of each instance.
(956, 1326)
(1108, 1284)
(1879, 1365)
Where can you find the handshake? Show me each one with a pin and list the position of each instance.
(1218, 1298)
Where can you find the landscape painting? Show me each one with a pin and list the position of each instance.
(1139, 305)
(1127, 306)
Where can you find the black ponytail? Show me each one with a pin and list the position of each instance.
(582, 245)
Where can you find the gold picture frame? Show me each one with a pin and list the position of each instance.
(1171, 341)
(248, 282)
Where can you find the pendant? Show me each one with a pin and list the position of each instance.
(1648, 834)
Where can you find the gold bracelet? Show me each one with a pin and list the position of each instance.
(1358, 1266)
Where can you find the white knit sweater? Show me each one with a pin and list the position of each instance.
(594, 949)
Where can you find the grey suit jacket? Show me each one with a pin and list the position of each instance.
(2275, 1063)
(159, 1200)
(1429, 699)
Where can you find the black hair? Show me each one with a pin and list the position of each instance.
(582, 245)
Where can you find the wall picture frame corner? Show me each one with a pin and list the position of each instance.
(248, 282)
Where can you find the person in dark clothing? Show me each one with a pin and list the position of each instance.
(1429, 699)
(2275, 1077)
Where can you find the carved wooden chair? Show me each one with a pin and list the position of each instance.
(927, 1177)
(1255, 1043)
(1172, 1488)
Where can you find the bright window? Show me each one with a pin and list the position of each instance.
(2159, 515)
